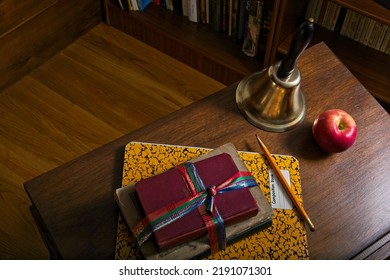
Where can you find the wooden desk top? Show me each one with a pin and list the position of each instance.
(347, 195)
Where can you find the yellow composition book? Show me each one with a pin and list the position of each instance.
(286, 238)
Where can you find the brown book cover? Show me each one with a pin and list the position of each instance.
(169, 187)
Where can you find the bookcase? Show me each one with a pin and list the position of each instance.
(370, 66)
(196, 44)
(216, 55)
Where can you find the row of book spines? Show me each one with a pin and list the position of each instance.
(217, 13)
(222, 15)
(134, 5)
(351, 24)
(233, 17)
(227, 16)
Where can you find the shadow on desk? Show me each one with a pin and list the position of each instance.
(385, 105)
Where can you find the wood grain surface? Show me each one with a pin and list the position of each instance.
(102, 86)
(33, 31)
(346, 194)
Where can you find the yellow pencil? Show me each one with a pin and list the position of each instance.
(286, 186)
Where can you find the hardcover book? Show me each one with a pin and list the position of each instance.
(169, 187)
(251, 41)
(253, 238)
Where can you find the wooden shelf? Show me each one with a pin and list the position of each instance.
(368, 8)
(370, 66)
(216, 55)
(195, 44)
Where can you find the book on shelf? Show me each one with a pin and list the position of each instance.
(349, 23)
(204, 14)
(340, 19)
(252, 37)
(225, 15)
(134, 5)
(281, 237)
(331, 16)
(266, 25)
(194, 10)
(177, 6)
(313, 10)
(121, 5)
(350, 26)
(184, 5)
(242, 24)
(215, 18)
(237, 20)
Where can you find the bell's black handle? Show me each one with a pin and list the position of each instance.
(301, 40)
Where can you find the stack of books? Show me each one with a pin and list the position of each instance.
(152, 181)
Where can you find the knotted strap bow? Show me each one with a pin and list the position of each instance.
(201, 198)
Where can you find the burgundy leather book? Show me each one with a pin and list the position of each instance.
(160, 190)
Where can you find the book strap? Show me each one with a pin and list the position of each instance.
(202, 198)
(191, 178)
(211, 217)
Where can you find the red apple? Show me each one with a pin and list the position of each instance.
(334, 130)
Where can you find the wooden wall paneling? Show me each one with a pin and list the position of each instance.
(40, 33)
(15, 13)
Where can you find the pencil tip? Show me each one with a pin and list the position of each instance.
(312, 228)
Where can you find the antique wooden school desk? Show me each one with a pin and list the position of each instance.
(347, 195)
